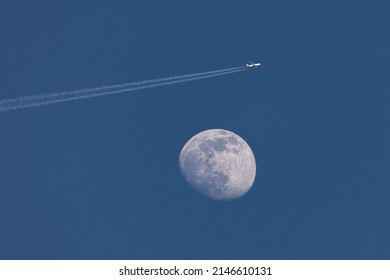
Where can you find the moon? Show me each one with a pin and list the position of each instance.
(219, 164)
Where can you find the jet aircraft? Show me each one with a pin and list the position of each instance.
(252, 65)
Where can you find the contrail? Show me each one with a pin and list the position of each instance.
(47, 99)
(124, 85)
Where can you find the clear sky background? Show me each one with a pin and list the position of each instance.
(99, 178)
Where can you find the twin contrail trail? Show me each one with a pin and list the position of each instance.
(52, 98)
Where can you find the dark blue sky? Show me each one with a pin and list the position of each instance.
(99, 178)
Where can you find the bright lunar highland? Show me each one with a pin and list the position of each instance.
(219, 164)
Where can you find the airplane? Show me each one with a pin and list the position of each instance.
(252, 65)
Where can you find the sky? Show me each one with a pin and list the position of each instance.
(99, 178)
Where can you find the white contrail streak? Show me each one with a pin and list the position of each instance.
(47, 99)
(55, 94)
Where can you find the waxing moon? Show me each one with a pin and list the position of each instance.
(218, 164)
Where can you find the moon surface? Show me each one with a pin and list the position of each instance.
(218, 164)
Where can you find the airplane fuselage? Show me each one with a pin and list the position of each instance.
(253, 65)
